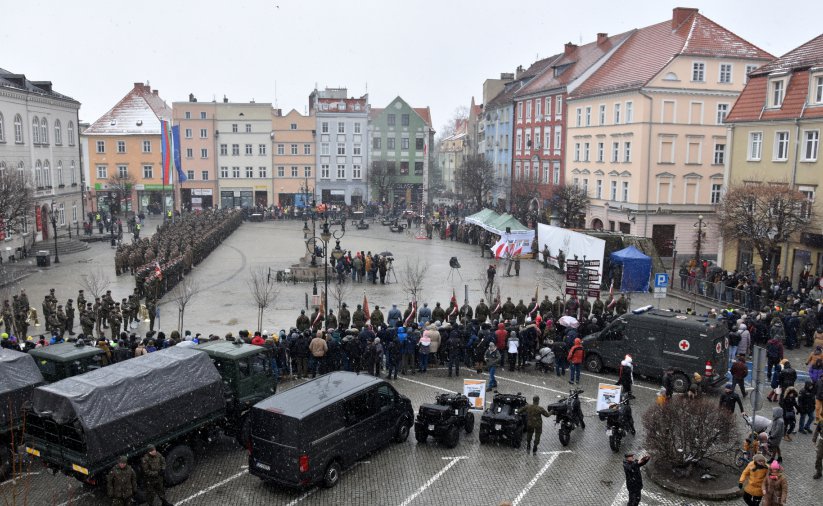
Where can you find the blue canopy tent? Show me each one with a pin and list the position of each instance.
(637, 269)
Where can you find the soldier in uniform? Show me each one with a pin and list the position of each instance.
(438, 313)
(481, 311)
(303, 321)
(520, 311)
(344, 317)
(98, 311)
(359, 317)
(125, 312)
(121, 483)
(87, 320)
(622, 305)
(508, 309)
(151, 308)
(546, 308)
(52, 323)
(24, 301)
(610, 303)
(331, 320)
(532, 308)
(572, 305)
(585, 308)
(8, 317)
(48, 309)
(60, 316)
(598, 307)
(153, 465)
(406, 314)
(534, 424)
(81, 299)
(496, 309)
(558, 308)
(116, 321)
(316, 319)
(376, 317)
(69, 317)
(546, 255)
(466, 312)
(561, 261)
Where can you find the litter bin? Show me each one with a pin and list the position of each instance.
(43, 258)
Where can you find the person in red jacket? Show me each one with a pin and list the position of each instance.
(576, 356)
(739, 373)
(500, 338)
(258, 340)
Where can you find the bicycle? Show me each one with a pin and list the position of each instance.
(751, 446)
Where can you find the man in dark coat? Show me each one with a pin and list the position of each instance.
(121, 483)
(344, 317)
(153, 465)
(634, 478)
(359, 317)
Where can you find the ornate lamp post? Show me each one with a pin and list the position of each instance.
(54, 227)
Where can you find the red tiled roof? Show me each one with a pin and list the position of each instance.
(648, 50)
(579, 60)
(750, 102)
(749, 105)
(139, 112)
(510, 89)
(425, 114)
(807, 55)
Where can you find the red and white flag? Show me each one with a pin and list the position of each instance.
(366, 311)
(454, 303)
(611, 295)
(157, 270)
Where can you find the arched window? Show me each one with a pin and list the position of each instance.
(44, 131)
(58, 133)
(20, 169)
(18, 129)
(47, 174)
(70, 133)
(2, 167)
(2, 129)
(60, 182)
(38, 176)
(72, 173)
(35, 130)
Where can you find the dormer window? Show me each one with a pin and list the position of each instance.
(777, 91)
(816, 94)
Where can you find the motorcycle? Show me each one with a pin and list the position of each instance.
(568, 415)
(619, 422)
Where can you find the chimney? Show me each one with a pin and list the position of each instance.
(278, 112)
(569, 48)
(225, 99)
(518, 72)
(602, 37)
(506, 76)
(155, 92)
(681, 14)
(138, 86)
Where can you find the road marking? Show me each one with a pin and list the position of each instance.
(454, 460)
(497, 376)
(428, 385)
(209, 489)
(18, 478)
(622, 498)
(552, 457)
(634, 385)
(73, 499)
(309, 493)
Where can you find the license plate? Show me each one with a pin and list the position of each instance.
(80, 469)
(431, 427)
(497, 426)
(608, 432)
(32, 451)
(263, 466)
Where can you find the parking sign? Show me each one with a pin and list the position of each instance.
(661, 280)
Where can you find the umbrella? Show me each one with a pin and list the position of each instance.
(568, 321)
(386, 254)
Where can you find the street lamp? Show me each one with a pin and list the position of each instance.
(326, 235)
(699, 226)
(54, 227)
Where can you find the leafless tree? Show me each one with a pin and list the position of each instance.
(340, 292)
(475, 180)
(182, 294)
(570, 204)
(16, 201)
(553, 284)
(460, 114)
(764, 216)
(382, 178)
(95, 282)
(412, 276)
(120, 185)
(263, 290)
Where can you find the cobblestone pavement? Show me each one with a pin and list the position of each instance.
(584, 473)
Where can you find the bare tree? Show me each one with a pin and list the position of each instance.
(476, 180)
(263, 290)
(764, 216)
(382, 178)
(340, 292)
(182, 294)
(95, 282)
(16, 201)
(570, 204)
(460, 115)
(412, 276)
(120, 185)
(553, 283)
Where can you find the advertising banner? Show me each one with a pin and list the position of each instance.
(475, 390)
(607, 394)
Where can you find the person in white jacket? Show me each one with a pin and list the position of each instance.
(513, 344)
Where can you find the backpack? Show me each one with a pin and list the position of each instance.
(772, 351)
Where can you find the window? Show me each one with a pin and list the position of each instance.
(121, 146)
(74, 213)
(806, 207)
(235, 172)
(69, 133)
(148, 172)
(235, 149)
(35, 130)
(615, 152)
(249, 150)
(293, 171)
(249, 171)
(616, 114)
(598, 189)
(234, 128)
(293, 126)
(357, 128)
(390, 143)
(817, 92)
(627, 152)
(588, 116)
(694, 151)
(357, 150)
(261, 149)
(698, 71)
(224, 150)
(101, 146)
(777, 91)
(341, 127)
(188, 114)
(578, 115)
(204, 133)
(189, 153)
(601, 114)
(749, 69)
(576, 151)
(629, 112)
(725, 73)
(418, 168)
(781, 146)
(811, 141)
(58, 131)
(558, 108)
(390, 167)
(722, 111)
(519, 140)
(548, 112)
(18, 129)
(614, 191)
(60, 182)
(558, 139)
(404, 168)
(204, 175)
(356, 172)
(755, 145)
(537, 112)
(262, 172)
(47, 174)
(719, 157)
(190, 174)
(376, 142)
(404, 143)
(324, 171)
(281, 171)
(202, 114)
(3, 128)
(716, 189)
(72, 173)
(404, 120)
(224, 172)
(528, 140)
(146, 146)
(548, 139)
(600, 151)
(528, 110)
(306, 149)
(391, 120)
(585, 151)
(324, 127)
(44, 132)
(519, 111)
(248, 128)
(281, 149)
(556, 172)
(341, 172)
(341, 149)
(307, 171)
(188, 133)
(324, 148)
(204, 153)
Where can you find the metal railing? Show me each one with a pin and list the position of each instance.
(719, 293)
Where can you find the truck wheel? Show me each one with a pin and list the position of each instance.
(179, 465)
(469, 423)
(564, 435)
(594, 363)
(680, 382)
(5, 462)
(332, 474)
(401, 433)
(483, 435)
(517, 437)
(452, 437)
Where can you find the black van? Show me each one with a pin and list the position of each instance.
(307, 434)
(658, 339)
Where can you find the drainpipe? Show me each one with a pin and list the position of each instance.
(794, 180)
(648, 161)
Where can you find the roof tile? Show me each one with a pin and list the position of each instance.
(138, 113)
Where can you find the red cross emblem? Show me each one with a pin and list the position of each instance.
(684, 345)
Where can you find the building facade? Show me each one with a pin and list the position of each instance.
(342, 152)
(243, 133)
(452, 152)
(198, 154)
(399, 148)
(774, 138)
(293, 158)
(125, 155)
(39, 139)
(645, 132)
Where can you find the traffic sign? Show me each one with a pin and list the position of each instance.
(661, 280)
(660, 293)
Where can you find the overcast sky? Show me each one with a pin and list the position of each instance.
(431, 52)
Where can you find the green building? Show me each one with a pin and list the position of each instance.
(401, 140)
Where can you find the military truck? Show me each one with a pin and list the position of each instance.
(61, 361)
(19, 376)
(168, 399)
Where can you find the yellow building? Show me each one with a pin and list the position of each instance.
(293, 155)
(774, 135)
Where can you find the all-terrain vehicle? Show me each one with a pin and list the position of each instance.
(444, 419)
(503, 421)
(568, 415)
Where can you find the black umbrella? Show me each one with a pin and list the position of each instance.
(386, 254)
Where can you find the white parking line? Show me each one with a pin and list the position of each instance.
(454, 460)
(442, 389)
(497, 376)
(74, 499)
(305, 495)
(209, 489)
(622, 498)
(552, 457)
(634, 385)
